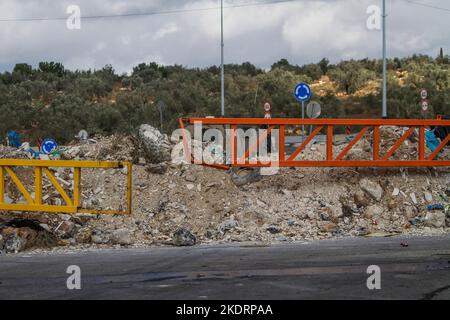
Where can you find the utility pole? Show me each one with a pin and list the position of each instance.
(384, 115)
(222, 86)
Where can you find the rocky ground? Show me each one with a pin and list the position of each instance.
(179, 204)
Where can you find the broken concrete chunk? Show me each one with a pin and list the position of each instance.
(435, 219)
(190, 186)
(428, 197)
(273, 229)
(413, 198)
(122, 237)
(327, 226)
(227, 225)
(372, 189)
(374, 211)
(155, 144)
(183, 237)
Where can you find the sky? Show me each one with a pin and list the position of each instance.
(188, 32)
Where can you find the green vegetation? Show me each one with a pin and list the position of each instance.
(51, 101)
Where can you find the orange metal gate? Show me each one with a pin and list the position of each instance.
(369, 126)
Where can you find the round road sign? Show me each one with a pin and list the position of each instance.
(302, 92)
(48, 145)
(267, 106)
(423, 94)
(313, 110)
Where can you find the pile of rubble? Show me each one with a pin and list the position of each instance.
(186, 204)
(112, 148)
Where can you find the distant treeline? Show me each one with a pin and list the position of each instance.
(51, 101)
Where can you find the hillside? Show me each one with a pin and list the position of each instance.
(50, 101)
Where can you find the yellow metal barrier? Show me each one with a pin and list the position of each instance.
(42, 167)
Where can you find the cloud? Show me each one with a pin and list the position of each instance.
(164, 31)
(301, 31)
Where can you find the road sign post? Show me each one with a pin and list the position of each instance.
(302, 93)
(313, 111)
(303, 116)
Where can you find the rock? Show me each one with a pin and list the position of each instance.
(396, 192)
(190, 186)
(15, 244)
(155, 144)
(282, 238)
(409, 212)
(183, 237)
(227, 225)
(327, 226)
(336, 213)
(392, 204)
(435, 219)
(190, 178)
(360, 199)
(13, 241)
(67, 229)
(84, 236)
(273, 229)
(97, 239)
(374, 211)
(122, 237)
(159, 168)
(260, 203)
(372, 189)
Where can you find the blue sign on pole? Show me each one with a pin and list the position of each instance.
(48, 145)
(302, 92)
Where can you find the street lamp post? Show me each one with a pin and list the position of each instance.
(384, 114)
(222, 86)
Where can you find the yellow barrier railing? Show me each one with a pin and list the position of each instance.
(41, 167)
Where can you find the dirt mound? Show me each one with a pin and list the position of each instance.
(295, 204)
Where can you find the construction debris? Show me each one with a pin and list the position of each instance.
(183, 204)
(156, 145)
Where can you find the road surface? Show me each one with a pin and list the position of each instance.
(331, 269)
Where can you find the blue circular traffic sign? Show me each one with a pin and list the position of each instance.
(48, 145)
(302, 92)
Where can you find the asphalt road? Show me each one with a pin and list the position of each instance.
(318, 270)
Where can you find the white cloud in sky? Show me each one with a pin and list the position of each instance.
(301, 31)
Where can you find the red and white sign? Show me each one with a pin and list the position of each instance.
(267, 106)
(424, 104)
